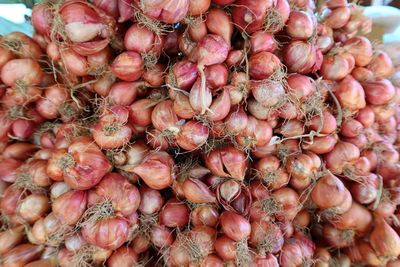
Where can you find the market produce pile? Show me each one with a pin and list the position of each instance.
(198, 133)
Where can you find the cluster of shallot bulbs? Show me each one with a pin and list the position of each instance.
(198, 133)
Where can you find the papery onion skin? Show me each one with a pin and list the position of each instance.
(41, 16)
(174, 214)
(234, 225)
(128, 66)
(75, 63)
(145, 35)
(124, 93)
(192, 135)
(204, 215)
(88, 167)
(291, 255)
(337, 67)
(212, 260)
(124, 196)
(249, 15)
(266, 236)
(26, 47)
(361, 49)
(82, 15)
(10, 199)
(70, 206)
(161, 166)
(22, 255)
(324, 190)
(379, 92)
(339, 17)
(381, 65)
(338, 238)
(197, 192)
(151, 200)
(161, 236)
(357, 218)
(111, 133)
(226, 248)
(384, 240)
(287, 200)
(140, 112)
(230, 159)
(26, 71)
(262, 41)
(166, 11)
(218, 22)
(107, 233)
(33, 207)
(302, 57)
(124, 256)
(350, 94)
(9, 169)
(10, 238)
(342, 154)
(300, 25)
(263, 64)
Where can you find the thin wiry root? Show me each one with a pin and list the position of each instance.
(268, 243)
(331, 214)
(16, 112)
(66, 161)
(84, 257)
(283, 152)
(164, 258)
(168, 135)
(150, 60)
(111, 129)
(58, 33)
(114, 155)
(193, 21)
(247, 144)
(24, 181)
(347, 234)
(21, 86)
(68, 110)
(5, 223)
(184, 167)
(243, 88)
(268, 177)
(46, 127)
(155, 26)
(143, 262)
(195, 252)
(273, 21)
(172, 82)
(146, 223)
(99, 71)
(243, 255)
(351, 173)
(59, 236)
(97, 212)
(270, 206)
(13, 44)
(313, 105)
(203, 119)
(280, 75)
(214, 143)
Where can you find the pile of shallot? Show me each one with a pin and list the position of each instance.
(203, 133)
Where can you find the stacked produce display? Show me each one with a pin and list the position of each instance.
(198, 133)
